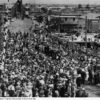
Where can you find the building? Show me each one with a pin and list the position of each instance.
(69, 23)
(92, 22)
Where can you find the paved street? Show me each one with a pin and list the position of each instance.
(94, 91)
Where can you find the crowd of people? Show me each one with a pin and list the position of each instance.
(40, 65)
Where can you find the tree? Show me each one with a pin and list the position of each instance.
(87, 6)
(44, 10)
(49, 12)
(79, 6)
(39, 19)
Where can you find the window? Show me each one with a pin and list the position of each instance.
(65, 19)
(73, 19)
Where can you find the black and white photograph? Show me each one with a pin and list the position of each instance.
(50, 48)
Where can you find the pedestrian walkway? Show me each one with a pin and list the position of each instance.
(93, 91)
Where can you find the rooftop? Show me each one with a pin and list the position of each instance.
(90, 16)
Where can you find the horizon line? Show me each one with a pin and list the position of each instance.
(52, 3)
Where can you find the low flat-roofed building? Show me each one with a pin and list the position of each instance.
(68, 23)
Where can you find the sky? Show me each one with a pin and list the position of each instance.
(57, 1)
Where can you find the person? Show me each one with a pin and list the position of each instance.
(81, 92)
(84, 94)
(83, 75)
(32, 72)
(90, 76)
(56, 93)
(11, 90)
(3, 89)
(79, 80)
